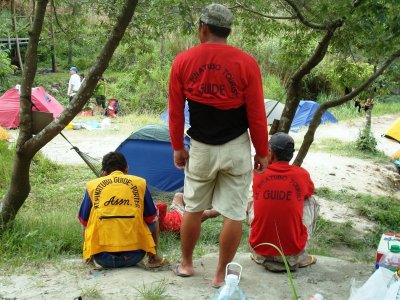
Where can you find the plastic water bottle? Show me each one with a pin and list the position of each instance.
(230, 290)
(391, 260)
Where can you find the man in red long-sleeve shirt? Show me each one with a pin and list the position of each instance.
(223, 87)
(284, 212)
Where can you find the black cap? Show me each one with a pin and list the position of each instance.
(282, 145)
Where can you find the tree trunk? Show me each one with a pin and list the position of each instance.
(28, 145)
(316, 121)
(53, 44)
(296, 81)
(71, 37)
(18, 191)
(20, 186)
(14, 22)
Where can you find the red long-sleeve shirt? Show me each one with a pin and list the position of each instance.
(279, 195)
(222, 78)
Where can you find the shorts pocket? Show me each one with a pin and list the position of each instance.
(241, 160)
(199, 162)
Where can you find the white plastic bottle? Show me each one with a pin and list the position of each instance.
(230, 290)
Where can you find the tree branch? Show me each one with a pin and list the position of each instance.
(29, 75)
(316, 121)
(87, 88)
(56, 16)
(238, 4)
(303, 20)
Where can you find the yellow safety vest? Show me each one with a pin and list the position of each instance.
(116, 219)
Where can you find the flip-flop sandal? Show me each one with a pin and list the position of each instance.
(177, 273)
(253, 258)
(313, 260)
(218, 285)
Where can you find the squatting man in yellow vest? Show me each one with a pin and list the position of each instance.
(119, 218)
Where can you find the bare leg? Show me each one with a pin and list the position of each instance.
(229, 240)
(154, 259)
(190, 232)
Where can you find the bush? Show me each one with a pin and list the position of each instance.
(366, 141)
(5, 69)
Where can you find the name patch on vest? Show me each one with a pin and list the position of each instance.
(134, 200)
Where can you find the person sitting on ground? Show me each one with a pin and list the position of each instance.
(171, 221)
(283, 211)
(119, 218)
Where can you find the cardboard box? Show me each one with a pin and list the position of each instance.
(383, 247)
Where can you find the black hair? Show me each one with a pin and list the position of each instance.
(220, 32)
(283, 154)
(113, 161)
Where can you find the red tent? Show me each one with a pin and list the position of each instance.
(9, 106)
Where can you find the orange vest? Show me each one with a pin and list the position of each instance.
(116, 219)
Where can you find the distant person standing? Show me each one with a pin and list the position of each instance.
(223, 87)
(100, 95)
(74, 83)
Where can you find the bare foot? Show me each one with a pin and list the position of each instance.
(178, 199)
(183, 271)
(156, 261)
(218, 280)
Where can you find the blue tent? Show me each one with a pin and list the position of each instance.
(305, 112)
(149, 154)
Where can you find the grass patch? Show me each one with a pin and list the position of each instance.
(154, 291)
(347, 111)
(349, 149)
(91, 293)
(46, 226)
(341, 239)
(6, 154)
(384, 211)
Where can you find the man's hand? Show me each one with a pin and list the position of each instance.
(180, 157)
(260, 163)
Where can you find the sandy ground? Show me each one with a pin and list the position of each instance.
(330, 276)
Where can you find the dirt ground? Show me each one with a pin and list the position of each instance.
(332, 277)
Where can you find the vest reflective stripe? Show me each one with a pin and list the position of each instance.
(116, 220)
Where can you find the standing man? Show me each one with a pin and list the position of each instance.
(74, 83)
(223, 87)
(284, 212)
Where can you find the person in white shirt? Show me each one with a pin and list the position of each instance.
(74, 83)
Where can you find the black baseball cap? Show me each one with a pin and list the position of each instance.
(283, 145)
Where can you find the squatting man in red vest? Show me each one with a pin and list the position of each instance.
(282, 210)
(119, 218)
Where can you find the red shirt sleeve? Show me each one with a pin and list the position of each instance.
(256, 115)
(176, 105)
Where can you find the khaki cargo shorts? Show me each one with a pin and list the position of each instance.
(219, 176)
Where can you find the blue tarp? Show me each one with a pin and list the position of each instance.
(304, 114)
(149, 154)
(164, 116)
